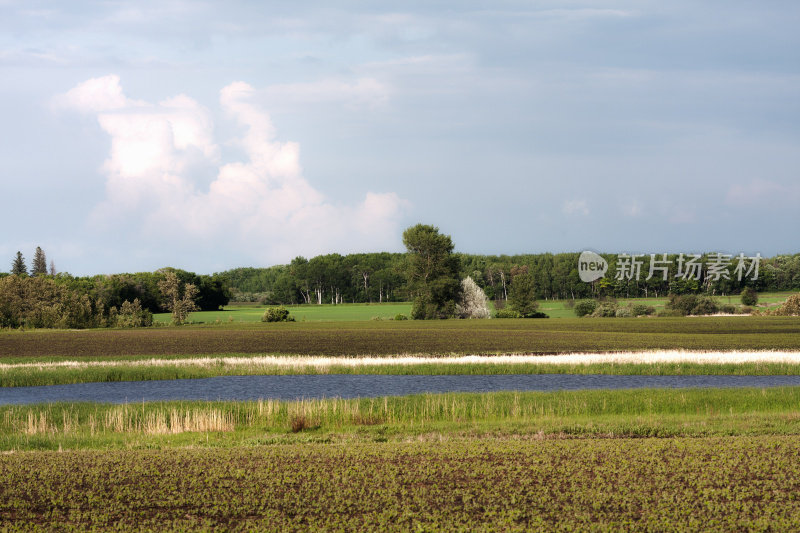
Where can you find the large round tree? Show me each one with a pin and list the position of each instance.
(432, 272)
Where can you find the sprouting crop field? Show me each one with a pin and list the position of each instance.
(403, 337)
(731, 484)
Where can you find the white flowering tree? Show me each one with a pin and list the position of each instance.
(473, 302)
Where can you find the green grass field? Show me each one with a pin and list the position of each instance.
(301, 313)
(386, 311)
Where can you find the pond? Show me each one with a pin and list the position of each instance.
(363, 386)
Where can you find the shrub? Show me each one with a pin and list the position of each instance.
(682, 304)
(746, 310)
(728, 309)
(605, 310)
(749, 297)
(506, 313)
(277, 314)
(400, 316)
(791, 307)
(585, 307)
(642, 310)
(624, 312)
(706, 305)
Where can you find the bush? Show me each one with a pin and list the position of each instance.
(746, 310)
(400, 316)
(681, 304)
(585, 307)
(605, 310)
(749, 297)
(277, 314)
(791, 307)
(642, 310)
(424, 308)
(728, 309)
(706, 305)
(506, 313)
(624, 312)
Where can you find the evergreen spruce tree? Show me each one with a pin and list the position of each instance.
(18, 265)
(39, 266)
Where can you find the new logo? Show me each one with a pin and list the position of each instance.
(591, 267)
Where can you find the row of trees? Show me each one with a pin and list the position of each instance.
(38, 268)
(384, 277)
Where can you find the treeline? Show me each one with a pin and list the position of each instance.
(382, 277)
(118, 300)
(332, 278)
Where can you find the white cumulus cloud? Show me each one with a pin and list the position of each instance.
(261, 202)
(96, 95)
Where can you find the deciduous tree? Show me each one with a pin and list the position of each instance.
(179, 298)
(473, 302)
(432, 272)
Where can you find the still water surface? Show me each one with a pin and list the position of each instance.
(363, 386)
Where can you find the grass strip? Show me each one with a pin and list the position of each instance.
(590, 413)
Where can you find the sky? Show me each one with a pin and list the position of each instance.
(215, 135)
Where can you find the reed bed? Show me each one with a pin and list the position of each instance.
(579, 413)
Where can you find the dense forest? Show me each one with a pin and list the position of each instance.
(381, 277)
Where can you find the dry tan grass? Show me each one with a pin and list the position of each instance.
(324, 364)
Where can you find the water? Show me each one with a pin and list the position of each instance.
(363, 386)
